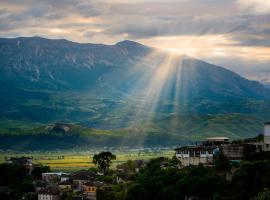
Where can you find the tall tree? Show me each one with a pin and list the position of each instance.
(103, 160)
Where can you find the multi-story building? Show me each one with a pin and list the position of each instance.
(194, 155)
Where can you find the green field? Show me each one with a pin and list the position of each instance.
(72, 161)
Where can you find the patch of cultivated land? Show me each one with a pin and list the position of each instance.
(72, 161)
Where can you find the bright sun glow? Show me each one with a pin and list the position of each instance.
(207, 46)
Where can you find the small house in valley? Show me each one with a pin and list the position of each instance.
(52, 177)
(90, 189)
(81, 177)
(51, 192)
(65, 185)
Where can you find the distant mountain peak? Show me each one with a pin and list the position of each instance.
(129, 43)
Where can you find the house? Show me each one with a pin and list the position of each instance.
(194, 155)
(122, 177)
(52, 177)
(64, 177)
(81, 177)
(90, 189)
(238, 151)
(65, 185)
(51, 192)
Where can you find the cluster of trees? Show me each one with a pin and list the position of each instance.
(161, 179)
(17, 183)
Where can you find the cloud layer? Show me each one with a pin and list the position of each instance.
(213, 30)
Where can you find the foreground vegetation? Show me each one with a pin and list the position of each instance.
(161, 179)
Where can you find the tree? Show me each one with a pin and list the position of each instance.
(103, 160)
(264, 195)
(221, 162)
(38, 170)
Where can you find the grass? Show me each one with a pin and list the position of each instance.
(72, 161)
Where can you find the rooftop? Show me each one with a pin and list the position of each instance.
(217, 139)
(84, 175)
(54, 173)
(65, 183)
(52, 189)
(204, 148)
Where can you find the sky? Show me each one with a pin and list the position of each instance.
(231, 33)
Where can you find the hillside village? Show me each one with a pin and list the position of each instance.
(93, 184)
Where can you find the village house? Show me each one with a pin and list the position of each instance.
(64, 177)
(49, 193)
(65, 185)
(81, 177)
(90, 189)
(238, 151)
(52, 177)
(202, 153)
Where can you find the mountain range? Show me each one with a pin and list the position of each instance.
(126, 93)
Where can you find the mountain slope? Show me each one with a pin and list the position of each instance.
(126, 87)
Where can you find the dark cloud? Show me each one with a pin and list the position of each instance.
(141, 20)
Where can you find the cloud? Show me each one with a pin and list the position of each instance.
(245, 24)
(256, 6)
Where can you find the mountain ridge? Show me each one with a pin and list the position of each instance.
(125, 86)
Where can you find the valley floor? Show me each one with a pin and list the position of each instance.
(75, 160)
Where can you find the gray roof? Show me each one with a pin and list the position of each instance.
(52, 189)
(84, 175)
(200, 148)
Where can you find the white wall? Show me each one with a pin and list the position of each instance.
(267, 134)
(267, 130)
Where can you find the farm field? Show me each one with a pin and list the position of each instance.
(72, 161)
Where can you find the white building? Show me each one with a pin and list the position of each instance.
(266, 145)
(194, 155)
(53, 177)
